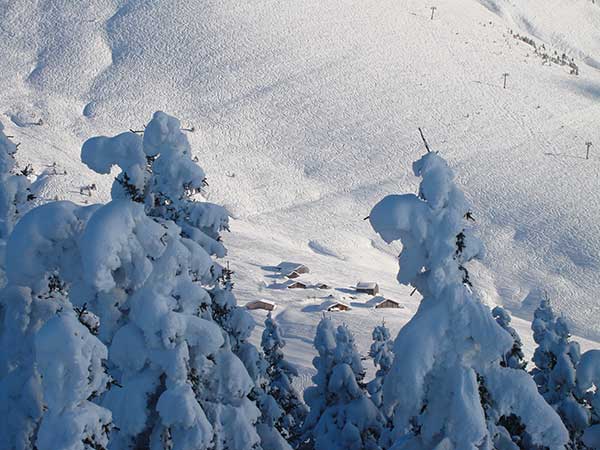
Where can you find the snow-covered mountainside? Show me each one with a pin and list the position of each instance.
(305, 114)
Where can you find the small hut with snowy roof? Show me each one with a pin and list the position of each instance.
(261, 304)
(291, 269)
(336, 305)
(295, 284)
(367, 287)
(382, 302)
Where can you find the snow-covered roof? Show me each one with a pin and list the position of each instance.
(288, 267)
(382, 300)
(376, 300)
(328, 305)
(267, 302)
(294, 281)
(366, 285)
(261, 304)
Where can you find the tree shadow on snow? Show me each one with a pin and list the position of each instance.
(274, 276)
(314, 308)
(346, 290)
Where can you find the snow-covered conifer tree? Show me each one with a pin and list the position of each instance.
(315, 396)
(158, 293)
(51, 365)
(543, 334)
(514, 358)
(341, 416)
(270, 411)
(280, 374)
(173, 182)
(14, 188)
(450, 350)
(588, 384)
(239, 324)
(556, 358)
(383, 356)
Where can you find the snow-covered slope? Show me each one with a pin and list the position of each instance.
(306, 114)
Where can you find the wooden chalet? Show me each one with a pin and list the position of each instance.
(367, 287)
(337, 305)
(296, 284)
(387, 303)
(288, 268)
(261, 304)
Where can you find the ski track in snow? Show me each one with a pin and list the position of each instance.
(306, 115)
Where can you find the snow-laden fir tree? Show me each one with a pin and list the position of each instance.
(448, 355)
(257, 367)
(158, 171)
(159, 295)
(382, 354)
(514, 358)
(239, 324)
(51, 364)
(556, 358)
(15, 190)
(544, 336)
(588, 384)
(315, 396)
(341, 415)
(280, 375)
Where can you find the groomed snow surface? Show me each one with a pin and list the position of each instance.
(305, 114)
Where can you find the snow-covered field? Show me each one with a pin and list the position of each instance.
(305, 114)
